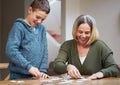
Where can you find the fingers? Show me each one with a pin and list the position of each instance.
(96, 76)
(74, 74)
(36, 73)
(73, 71)
(44, 76)
(92, 77)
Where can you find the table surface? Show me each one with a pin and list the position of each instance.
(59, 80)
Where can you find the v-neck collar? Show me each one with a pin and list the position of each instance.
(77, 54)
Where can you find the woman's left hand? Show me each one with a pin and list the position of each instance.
(97, 75)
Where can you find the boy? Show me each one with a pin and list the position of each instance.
(27, 44)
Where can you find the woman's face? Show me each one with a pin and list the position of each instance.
(83, 33)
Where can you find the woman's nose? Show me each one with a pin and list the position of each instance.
(83, 35)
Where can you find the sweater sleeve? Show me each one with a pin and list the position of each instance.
(109, 65)
(12, 48)
(60, 62)
(43, 67)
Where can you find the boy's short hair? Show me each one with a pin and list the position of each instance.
(41, 4)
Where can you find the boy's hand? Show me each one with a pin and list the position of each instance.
(36, 73)
(43, 75)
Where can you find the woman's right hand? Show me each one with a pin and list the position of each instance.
(73, 71)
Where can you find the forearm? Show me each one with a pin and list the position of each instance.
(17, 59)
(60, 67)
(15, 56)
(110, 71)
(43, 67)
(44, 63)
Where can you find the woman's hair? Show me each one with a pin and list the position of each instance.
(91, 22)
(41, 4)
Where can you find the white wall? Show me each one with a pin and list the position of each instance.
(53, 20)
(53, 48)
(70, 10)
(53, 24)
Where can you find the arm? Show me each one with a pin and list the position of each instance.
(60, 65)
(44, 62)
(110, 67)
(60, 62)
(13, 45)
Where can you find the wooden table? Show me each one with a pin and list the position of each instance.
(104, 81)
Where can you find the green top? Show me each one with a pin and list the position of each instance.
(99, 58)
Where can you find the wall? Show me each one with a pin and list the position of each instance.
(26, 4)
(55, 16)
(0, 26)
(68, 15)
(53, 29)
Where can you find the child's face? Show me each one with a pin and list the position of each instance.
(36, 17)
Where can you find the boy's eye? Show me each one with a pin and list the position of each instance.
(40, 18)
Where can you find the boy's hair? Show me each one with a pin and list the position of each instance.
(41, 4)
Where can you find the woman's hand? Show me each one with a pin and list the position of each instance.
(36, 73)
(97, 75)
(73, 71)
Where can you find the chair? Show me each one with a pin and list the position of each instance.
(4, 66)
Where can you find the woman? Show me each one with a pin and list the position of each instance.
(86, 54)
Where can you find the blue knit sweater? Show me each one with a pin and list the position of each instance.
(27, 47)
